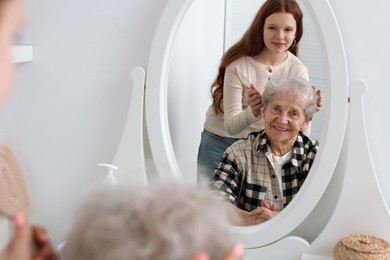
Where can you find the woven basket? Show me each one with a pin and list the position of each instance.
(360, 246)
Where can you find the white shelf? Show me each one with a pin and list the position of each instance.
(22, 53)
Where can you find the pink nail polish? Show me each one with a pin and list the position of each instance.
(19, 219)
(239, 249)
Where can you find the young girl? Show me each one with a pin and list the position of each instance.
(267, 49)
(26, 237)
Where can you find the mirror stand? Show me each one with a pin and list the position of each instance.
(361, 207)
(129, 156)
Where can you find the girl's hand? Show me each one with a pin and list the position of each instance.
(254, 101)
(319, 98)
(28, 242)
(43, 248)
(19, 247)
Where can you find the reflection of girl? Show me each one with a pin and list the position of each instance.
(266, 50)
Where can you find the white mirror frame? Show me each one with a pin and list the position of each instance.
(156, 109)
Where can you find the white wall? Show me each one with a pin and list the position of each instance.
(364, 26)
(69, 105)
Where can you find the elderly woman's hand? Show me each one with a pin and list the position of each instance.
(264, 213)
(257, 216)
(254, 101)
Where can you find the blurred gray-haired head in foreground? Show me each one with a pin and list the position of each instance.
(166, 220)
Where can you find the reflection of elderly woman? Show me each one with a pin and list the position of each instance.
(262, 173)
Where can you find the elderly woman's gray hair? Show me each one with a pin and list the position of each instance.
(170, 221)
(298, 86)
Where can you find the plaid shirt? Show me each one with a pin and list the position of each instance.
(246, 175)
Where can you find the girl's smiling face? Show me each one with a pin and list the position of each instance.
(279, 32)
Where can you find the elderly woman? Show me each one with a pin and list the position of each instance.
(261, 174)
(163, 221)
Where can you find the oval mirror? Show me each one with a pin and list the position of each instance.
(160, 93)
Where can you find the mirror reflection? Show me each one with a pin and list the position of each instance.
(192, 73)
(262, 173)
